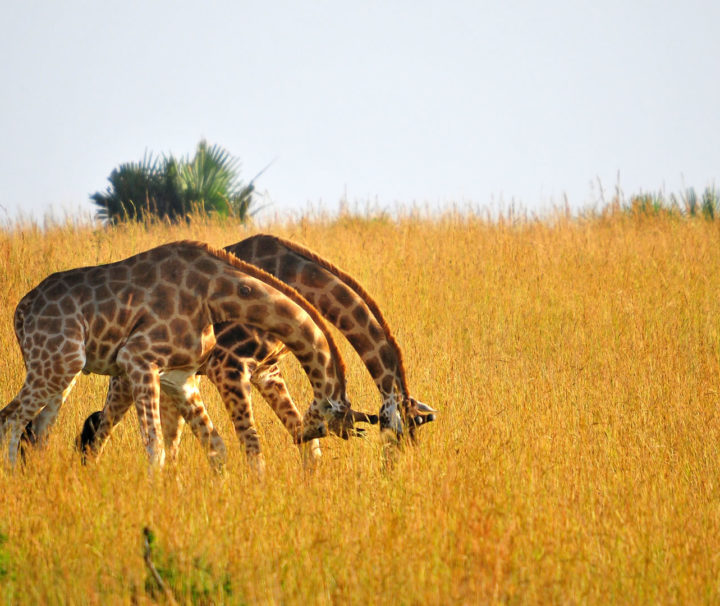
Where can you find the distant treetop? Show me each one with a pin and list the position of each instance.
(171, 189)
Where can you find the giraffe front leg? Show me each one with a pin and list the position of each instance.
(36, 430)
(39, 394)
(143, 378)
(233, 383)
(269, 382)
(14, 423)
(188, 402)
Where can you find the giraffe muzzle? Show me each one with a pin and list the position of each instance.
(314, 433)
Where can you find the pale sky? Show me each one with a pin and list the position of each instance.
(428, 103)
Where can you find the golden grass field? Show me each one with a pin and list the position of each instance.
(574, 460)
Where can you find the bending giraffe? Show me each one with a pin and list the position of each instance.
(150, 320)
(244, 356)
(349, 307)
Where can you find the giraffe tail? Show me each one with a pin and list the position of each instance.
(84, 442)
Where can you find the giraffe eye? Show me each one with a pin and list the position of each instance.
(244, 290)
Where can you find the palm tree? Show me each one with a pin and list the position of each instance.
(171, 189)
(211, 180)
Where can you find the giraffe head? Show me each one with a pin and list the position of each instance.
(337, 417)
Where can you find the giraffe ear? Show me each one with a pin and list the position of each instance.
(424, 408)
(426, 413)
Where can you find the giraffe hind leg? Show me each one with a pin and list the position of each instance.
(33, 398)
(100, 424)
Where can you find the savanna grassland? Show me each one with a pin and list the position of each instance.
(575, 457)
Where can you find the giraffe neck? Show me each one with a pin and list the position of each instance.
(284, 313)
(340, 299)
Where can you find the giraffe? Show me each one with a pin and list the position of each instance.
(245, 356)
(347, 305)
(149, 320)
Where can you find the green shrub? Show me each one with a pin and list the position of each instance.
(171, 189)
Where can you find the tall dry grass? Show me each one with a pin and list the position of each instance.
(574, 459)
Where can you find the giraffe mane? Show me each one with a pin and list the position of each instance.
(289, 291)
(361, 292)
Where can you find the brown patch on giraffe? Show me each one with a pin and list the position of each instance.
(55, 291)
(324, 303)
(343, 295)
(144, 275)
(189, 253)
(257, 313)
(117, 273)
(387, 355)
(284, 309)
(53, 343)
(223, 287)
(314, 277)
(196, 283)
(360, 314)
(284, 330)
(360, 343)
(266, 247)
(67, 305)
(103, 293)
(52, 310)
(375, 367)
(49, 325)
(163, 297)
(179, 359)
(187, 304)
(304, 358)
(73, 278)
(345, 323)
(179, 326)
(103, 350)
(98, 325)
(163, 349)
(376, 331)
(113, 333)
(122, 315)
(160, 334)
(172, 270)
(206, 267)
(288, 269)
(309, 332)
